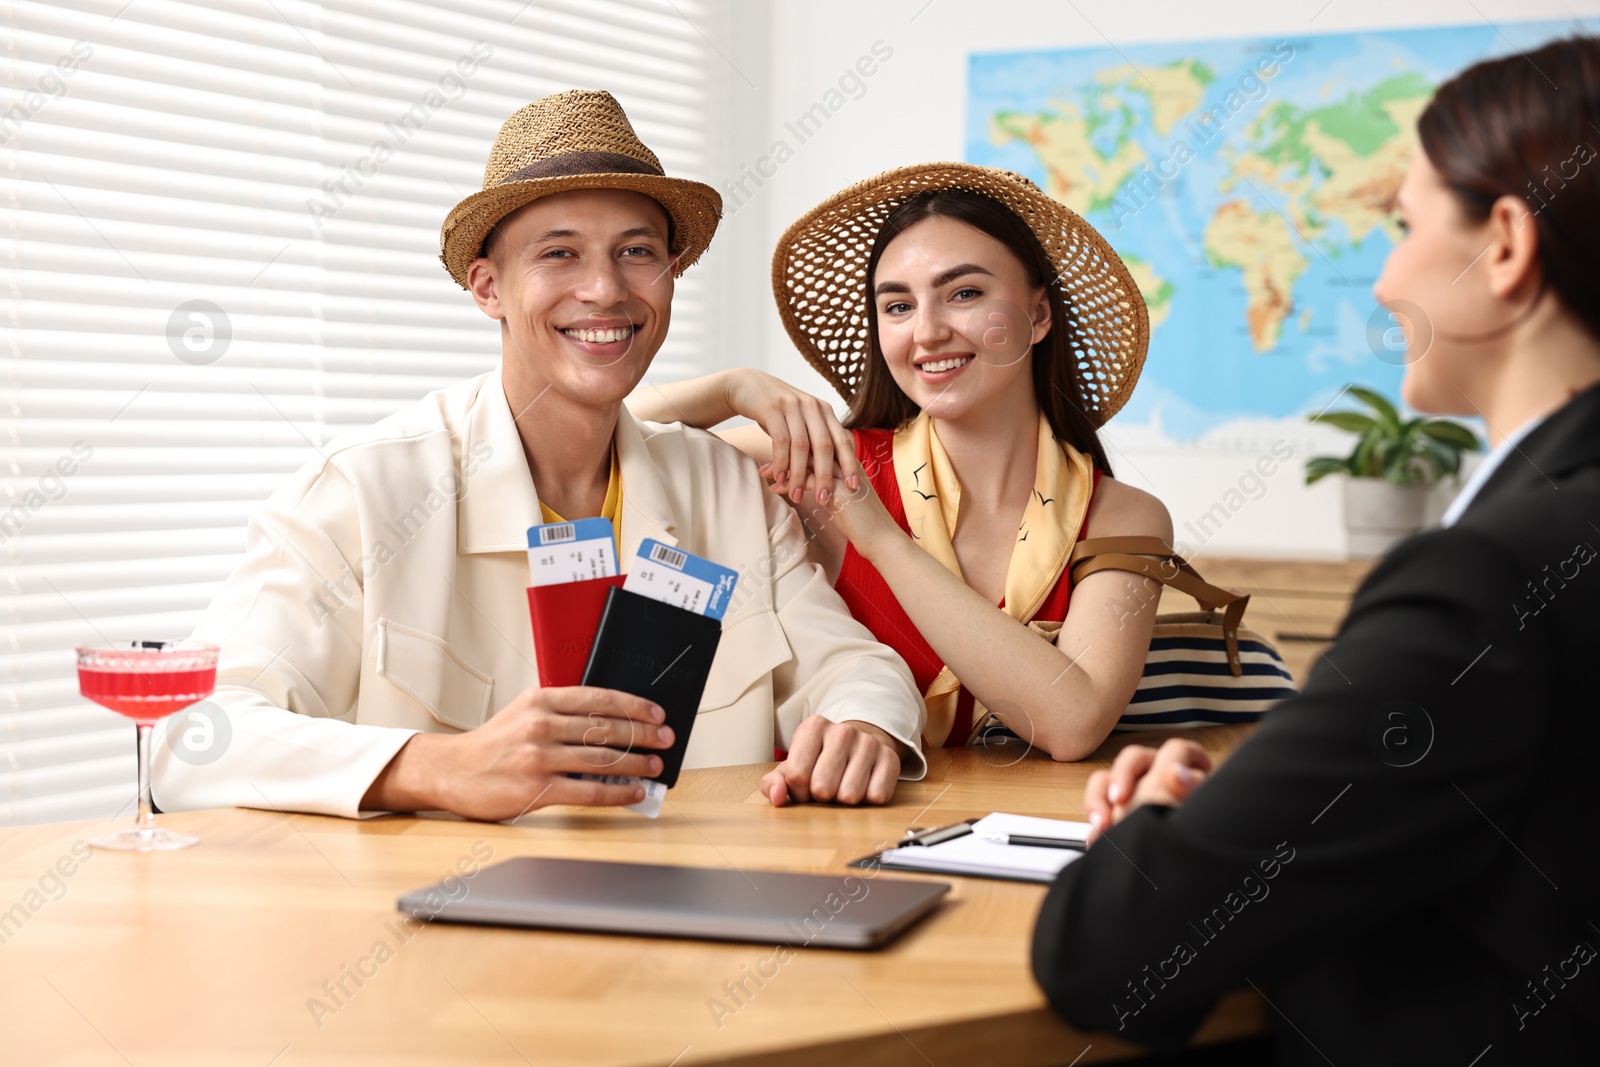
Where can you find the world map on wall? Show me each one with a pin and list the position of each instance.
(1249, 186)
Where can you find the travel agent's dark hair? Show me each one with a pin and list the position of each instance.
(880, 403)
(1525, 126)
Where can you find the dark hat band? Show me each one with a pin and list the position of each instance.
(574, 163)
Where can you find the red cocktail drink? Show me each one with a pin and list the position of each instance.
(146, 684)
(146, 697)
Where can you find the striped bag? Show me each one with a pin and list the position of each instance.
(1203, 668)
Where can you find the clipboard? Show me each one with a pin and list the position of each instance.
(958, 849)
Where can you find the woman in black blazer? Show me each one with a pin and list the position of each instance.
(1403, 859)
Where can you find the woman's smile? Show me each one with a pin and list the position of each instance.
(936, 370)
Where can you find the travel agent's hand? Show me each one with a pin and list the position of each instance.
(1143, 775)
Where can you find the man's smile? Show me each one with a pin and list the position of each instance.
(601, 334)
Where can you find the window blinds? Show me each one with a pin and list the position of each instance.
(211, 269)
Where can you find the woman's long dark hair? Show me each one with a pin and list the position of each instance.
(880, 403)
(1525, 126)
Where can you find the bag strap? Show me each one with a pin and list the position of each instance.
(1144, 546)
(1133, 554)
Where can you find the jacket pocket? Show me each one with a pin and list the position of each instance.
(747, 652)
(426, 669)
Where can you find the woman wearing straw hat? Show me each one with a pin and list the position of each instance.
(981, 333)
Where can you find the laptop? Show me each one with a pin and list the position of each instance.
(770, 907)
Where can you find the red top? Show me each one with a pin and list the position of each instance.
(874, 605)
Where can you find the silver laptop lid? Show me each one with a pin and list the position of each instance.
(772, 907)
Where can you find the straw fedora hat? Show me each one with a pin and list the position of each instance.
(580, 139)
(819, 276)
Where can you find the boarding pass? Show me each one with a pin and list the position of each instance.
(571, 551)
(681, 579)
(654, 792)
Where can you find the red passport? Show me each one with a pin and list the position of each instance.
(565, 618)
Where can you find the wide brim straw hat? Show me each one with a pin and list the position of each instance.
(579, 139)
(819, 277)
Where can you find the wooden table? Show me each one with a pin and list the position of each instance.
(231, 953)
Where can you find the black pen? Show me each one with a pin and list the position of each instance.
(1037, 842)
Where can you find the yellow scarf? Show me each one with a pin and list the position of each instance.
(931, 493)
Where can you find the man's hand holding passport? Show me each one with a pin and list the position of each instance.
(652, 633)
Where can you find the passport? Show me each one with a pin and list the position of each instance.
(660, 652)
(564, 620)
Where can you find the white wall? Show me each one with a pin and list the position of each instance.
(914, 109)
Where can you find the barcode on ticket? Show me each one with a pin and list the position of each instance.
(557, 533)
(681, 579)
(575, 551)
(670, 556)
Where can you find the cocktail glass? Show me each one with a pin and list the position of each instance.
(146, 682)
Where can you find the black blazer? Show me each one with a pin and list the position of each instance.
(1403, 858)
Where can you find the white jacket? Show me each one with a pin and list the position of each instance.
(383, 593)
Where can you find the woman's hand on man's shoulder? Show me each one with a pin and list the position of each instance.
(809, 450)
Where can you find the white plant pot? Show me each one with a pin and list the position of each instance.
(1379, 515)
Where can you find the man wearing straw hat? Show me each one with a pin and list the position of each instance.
(376, 648)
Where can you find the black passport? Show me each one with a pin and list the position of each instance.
(659, 652)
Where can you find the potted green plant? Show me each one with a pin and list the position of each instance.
(1389, 472)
